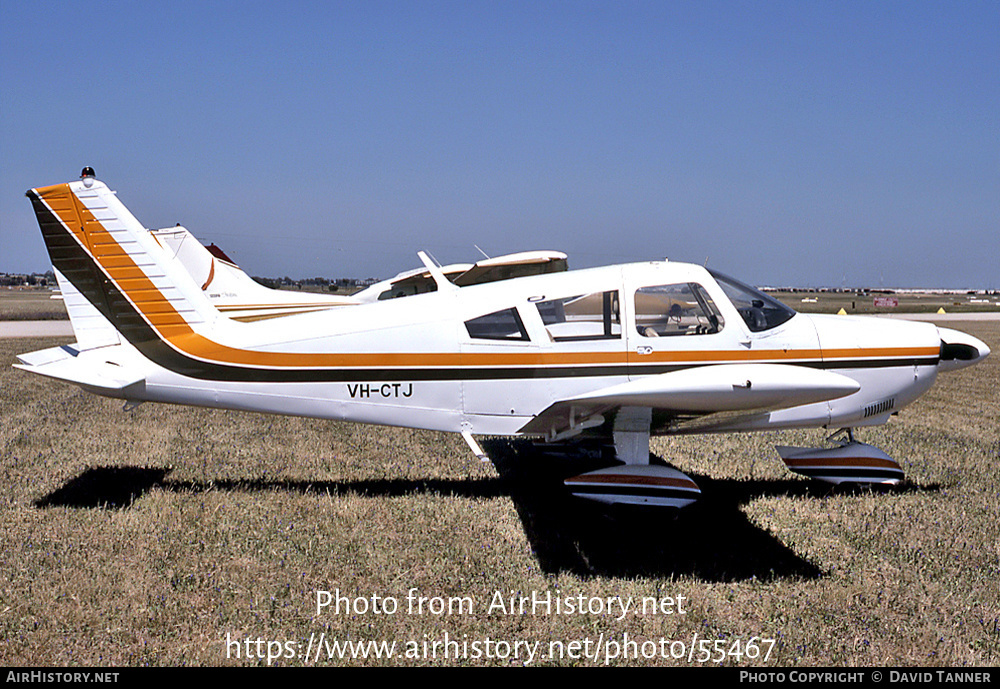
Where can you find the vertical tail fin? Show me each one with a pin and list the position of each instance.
(121, 270)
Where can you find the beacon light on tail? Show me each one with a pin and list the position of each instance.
(513, 346)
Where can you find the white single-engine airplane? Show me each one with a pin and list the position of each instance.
(509, 346)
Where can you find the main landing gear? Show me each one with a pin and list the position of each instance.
(637, 482)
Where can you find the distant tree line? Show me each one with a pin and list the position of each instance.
(314, 284)
(47, 279)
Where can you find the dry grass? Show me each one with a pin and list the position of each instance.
(31, 304)
(145, 537)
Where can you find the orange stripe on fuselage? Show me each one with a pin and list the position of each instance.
(715, 356)
(174, 329)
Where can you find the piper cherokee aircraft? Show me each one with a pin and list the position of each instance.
(516, 346)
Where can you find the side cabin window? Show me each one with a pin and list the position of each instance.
(595, 316)
(681, 309)
(501, 325)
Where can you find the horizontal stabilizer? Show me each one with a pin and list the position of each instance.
(88, 369)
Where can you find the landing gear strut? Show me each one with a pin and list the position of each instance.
(637, 482)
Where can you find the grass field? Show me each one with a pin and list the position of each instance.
(30, 305)
(150, 537)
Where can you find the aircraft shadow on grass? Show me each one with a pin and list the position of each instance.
(712, 540)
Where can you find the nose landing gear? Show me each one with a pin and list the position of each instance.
(850, 462)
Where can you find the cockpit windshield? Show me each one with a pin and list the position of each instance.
(759, 311)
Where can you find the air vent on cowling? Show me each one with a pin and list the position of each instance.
(880, 407)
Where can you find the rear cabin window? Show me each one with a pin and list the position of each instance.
(595, 316)
(500, 325)
(681, 309)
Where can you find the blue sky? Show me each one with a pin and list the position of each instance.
(809, 143)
